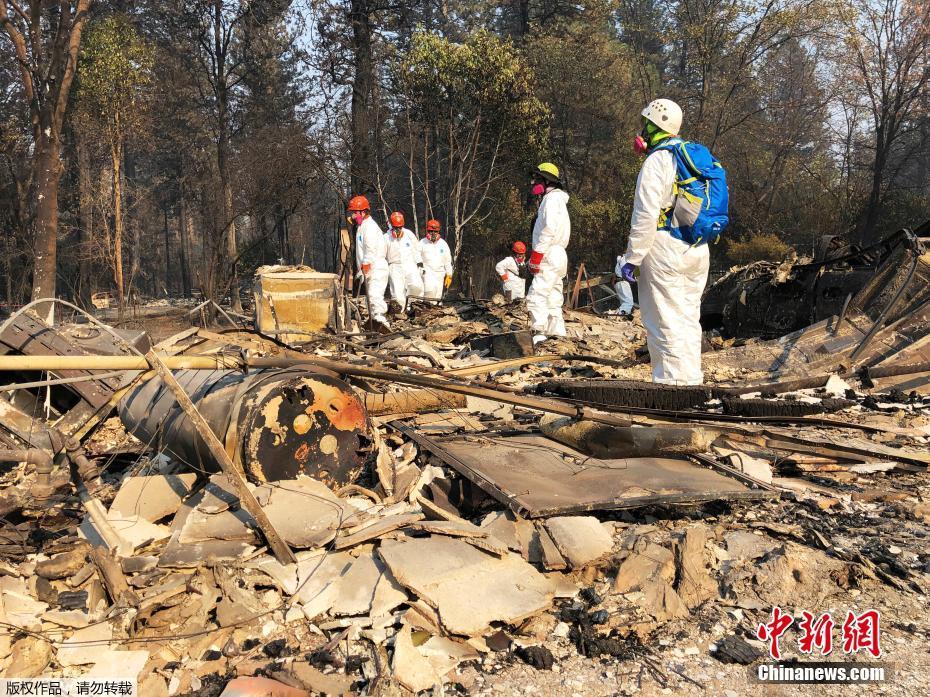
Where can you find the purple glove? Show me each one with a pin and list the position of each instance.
(626, 273)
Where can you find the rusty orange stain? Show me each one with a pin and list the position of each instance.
(303, 453)
(342, 410)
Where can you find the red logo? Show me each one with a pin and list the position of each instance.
(862, 632)
(816, 633)
(772, 631)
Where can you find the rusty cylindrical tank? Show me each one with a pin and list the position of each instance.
(275, 423)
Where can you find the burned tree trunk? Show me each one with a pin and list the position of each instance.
(46, 47)
(362, 167)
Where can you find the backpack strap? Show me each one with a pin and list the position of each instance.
(675, 146)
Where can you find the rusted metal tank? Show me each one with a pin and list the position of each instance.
(294, 298)
(275, 423)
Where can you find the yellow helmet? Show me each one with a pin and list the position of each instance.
(548, 171)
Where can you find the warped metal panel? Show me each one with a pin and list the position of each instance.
(538, 477)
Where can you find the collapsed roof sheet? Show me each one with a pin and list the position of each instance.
(537, 477)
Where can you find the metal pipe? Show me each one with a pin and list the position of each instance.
(95, 509)
(59, 381)
(43, 464)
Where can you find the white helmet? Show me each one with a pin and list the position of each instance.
(665, 114)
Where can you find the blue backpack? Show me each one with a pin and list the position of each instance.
(699, 214)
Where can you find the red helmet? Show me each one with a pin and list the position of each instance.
(432, 225)
(518, 247)
(358, 203)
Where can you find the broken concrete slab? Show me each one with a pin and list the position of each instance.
(152, 497)
(693, 581)
(448, 527)
(305, 512)
(552, 559)
(85, 646)
(75, 619)
(133, 530)
(189, 555)
(662, 602)
(502, 526)
(317, 581)
(468, 588)
(743, 544)
(376, 529)
(356, 587)
(118, 664)
(755, 467)
(217, 496)
(422, 663)
(421, 616)
(389, 594)
(528, 540)
(285, 576)
(29, 657)
(226, 525)
(580, 539)
(647, 562)
(488, 544)
(17, 606)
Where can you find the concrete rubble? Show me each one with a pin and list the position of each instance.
(550, 524)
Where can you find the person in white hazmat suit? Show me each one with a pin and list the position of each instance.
(404, 261)
(437, 262)
(370, 257)
(623, 288)
(672, 273)
(511, 269)
(548, 262)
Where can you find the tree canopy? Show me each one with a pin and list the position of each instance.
(206, 137)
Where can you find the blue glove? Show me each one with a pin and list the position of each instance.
(626, 273)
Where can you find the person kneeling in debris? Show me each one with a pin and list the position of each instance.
(437, 262)
(404, 261)
(548, 262)
(512, 270)
(371, 257)
(624, 289)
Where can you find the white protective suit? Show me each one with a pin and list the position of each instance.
(509, 271)
(672, 277)
(370, 248)
(624, 291)
(403, 255)
(551, 232)
(437, 264)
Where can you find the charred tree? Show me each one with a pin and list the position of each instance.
(46, 41)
